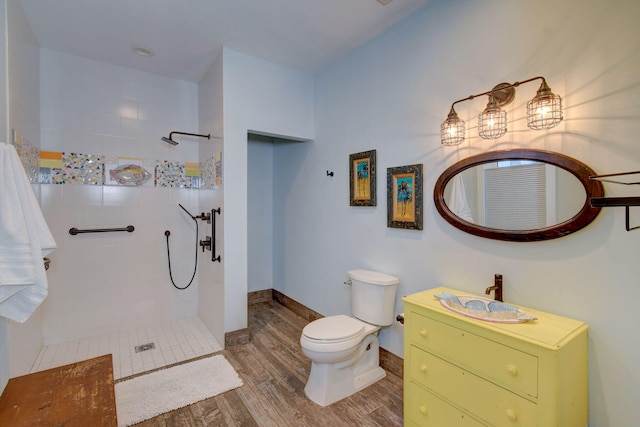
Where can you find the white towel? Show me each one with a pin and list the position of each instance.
(458, 200)
(24, 240)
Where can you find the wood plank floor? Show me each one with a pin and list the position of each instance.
(274, 372)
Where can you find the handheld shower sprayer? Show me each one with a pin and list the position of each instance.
(172, 142)
(203, 216)
(167, 233)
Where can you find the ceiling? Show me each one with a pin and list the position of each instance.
(186, 35)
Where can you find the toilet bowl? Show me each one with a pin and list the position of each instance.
(334, 339)
(344, 354)
(344, 350)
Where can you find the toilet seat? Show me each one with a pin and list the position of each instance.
(333, 329)
(335, 333)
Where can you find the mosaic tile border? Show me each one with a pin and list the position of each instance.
(54, 167)
(29, 155)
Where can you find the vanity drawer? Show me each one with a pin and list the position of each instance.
(487, 401)
(513, 368)
(423, 408)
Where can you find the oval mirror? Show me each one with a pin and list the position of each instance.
(518, 195)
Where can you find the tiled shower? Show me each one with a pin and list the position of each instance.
(166, 344)
(99, 122)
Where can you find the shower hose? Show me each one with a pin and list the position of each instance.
(195, 266)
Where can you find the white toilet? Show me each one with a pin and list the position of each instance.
(344, 350)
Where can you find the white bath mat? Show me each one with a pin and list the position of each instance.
(147, 396)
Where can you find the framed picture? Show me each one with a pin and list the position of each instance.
(362, 178)
(404, 197)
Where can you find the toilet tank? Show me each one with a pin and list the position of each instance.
(373, 296)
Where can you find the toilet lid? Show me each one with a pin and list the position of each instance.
(333, 328)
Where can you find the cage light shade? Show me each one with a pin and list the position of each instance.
(544, 111)
(492, 122)
(452, 129)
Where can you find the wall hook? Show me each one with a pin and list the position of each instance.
(329, 173)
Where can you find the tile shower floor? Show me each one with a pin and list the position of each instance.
(174, 342)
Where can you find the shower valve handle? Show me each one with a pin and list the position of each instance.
(206, 243)
(205, 217)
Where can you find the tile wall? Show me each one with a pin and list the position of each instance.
(100, 163)
(55, 167)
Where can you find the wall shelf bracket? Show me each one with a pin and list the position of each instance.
(627, 202)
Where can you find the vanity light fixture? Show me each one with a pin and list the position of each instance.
(544, 111)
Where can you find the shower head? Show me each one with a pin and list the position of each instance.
(169, 140)
(172, 142)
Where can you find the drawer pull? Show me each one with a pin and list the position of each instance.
(423, 410)
(423, 369)
(511, 414)
(512, 370)
(423, 333)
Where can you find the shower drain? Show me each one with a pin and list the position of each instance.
(145, 347)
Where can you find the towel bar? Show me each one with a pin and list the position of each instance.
(73, 231)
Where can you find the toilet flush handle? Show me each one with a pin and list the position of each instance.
(348, 282)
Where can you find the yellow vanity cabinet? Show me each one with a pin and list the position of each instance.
(460, 372)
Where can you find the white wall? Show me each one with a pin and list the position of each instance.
(260, 213)
(211, 274)
(263, 98)
(4, 64)
(392, 94)
(89, 106)
(5, 359)
(24, 75)
(21, 342)
(105, 282)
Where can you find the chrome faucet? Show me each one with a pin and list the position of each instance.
(497, 287)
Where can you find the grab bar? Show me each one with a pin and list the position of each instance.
(214, 258)
(73, 231)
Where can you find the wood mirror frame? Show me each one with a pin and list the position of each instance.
(582, 172)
